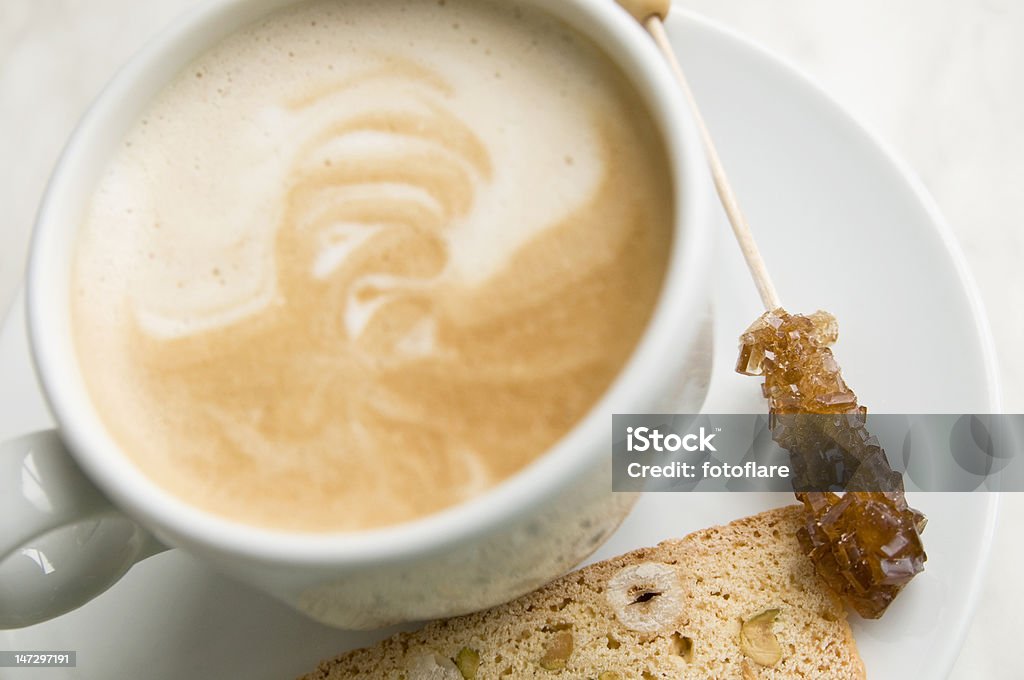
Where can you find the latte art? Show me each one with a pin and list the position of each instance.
(328, 285)
(398, 175)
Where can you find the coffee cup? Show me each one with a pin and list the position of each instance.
(77, 510)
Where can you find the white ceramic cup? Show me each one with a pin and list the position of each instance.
(75, 512)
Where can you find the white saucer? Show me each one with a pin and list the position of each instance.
(843, 225)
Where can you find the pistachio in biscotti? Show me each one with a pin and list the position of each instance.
(467, 661)
(646, 597)
(557, 654)
(758, 640)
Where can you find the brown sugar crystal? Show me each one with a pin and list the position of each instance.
(865, 544)
(792, 352)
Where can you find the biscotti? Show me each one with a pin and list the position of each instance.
(739, 601)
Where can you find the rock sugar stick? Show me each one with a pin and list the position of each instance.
(865, 544)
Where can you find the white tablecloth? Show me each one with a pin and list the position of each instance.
(939, 79)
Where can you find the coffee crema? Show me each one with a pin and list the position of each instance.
(362, 261)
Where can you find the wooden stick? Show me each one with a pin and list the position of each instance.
(744, 237)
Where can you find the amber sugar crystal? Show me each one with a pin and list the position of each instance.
(866, 545)
(792, 352)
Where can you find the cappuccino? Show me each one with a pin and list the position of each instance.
(360, 261)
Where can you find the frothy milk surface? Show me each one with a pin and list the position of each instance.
(362, 261)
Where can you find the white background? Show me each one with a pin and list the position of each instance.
(940, 80)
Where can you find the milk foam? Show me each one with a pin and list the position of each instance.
(355, 248)
(209, 162)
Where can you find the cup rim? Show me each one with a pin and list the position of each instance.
(670, 330)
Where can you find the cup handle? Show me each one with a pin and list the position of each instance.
(62, 542)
